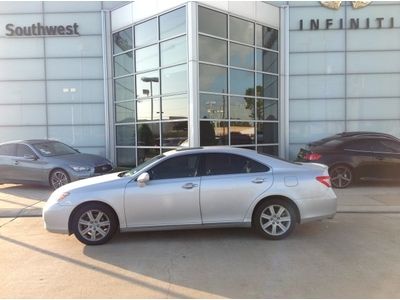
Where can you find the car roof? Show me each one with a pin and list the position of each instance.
(29, 142)
(352, 135)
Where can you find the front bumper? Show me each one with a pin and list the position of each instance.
(56, 217)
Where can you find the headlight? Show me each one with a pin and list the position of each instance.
(62, 196)
(80, 168)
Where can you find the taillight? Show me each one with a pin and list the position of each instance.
(325, 180)
(312, 156)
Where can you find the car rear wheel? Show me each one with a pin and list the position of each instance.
(341, 176)
(275, 219)
(94, 224)
(58, 178)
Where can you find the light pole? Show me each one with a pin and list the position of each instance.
(151, 80)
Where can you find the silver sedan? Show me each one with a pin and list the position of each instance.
(194, 188)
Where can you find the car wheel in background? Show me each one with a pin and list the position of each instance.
(341, 176)
(58, 178)
(94, 223)
(275, 219)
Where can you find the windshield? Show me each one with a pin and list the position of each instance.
(53, 149)
(143, 165)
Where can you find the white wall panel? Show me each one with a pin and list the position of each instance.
(313, 41)
(22, 69)
(375, 108)
(22, 115)
(20, 92)
(89, 22)
(373, 85)
(75, 114)
(308, 13)
(74, 68)
(386, 126)
(92, 136)
(310, 110)
(74, 46)
(305, 132)
(317, 63)
(313, 86)
(374, 39)
(22, 133)
(71, 6)
(19, 7)
(373, 62)
(21, 48)
(75, 91)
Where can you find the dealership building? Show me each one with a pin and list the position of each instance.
(131, 80)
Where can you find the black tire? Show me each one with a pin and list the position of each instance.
(275, 219)
(341, 176)
(94, 223)
(58, 178)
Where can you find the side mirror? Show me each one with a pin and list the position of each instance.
(143, 179)
(30, 157)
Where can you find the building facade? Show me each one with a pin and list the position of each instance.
(131, 80)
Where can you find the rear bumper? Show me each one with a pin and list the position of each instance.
(319, 208)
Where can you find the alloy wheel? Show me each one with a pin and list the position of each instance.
(275, 220)
(58, 179)
(341, 176)
(94, 225)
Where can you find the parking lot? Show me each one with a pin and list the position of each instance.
(355, 255)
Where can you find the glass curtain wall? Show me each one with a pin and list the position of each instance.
(238, 82)
(150, 87)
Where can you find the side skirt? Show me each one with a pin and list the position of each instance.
(183, 227)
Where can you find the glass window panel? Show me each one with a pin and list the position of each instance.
(266, 61)
(267, 37)
(242, 108)
(213, 79)
(173, 51)
(173, 23)
(175, 107)
(267, 109)
(148, 109)
(147, 58)
(174, 133)
(212, 22)
(213, 50)
(145, 154)
(242, 82)
(267, 133)
(213, 133)
(148, 134)
(122, 40)
(126, 157)
(174, 79)
(125, 135)
(242, 56)
(146, 33)
(123, 64)
(270, 150)
(125, 112)
(241, 30)
(267, 85)
(147, 84)
(242, 133)
(213, 106)
(123, 88)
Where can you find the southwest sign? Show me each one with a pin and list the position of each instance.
(41, 30)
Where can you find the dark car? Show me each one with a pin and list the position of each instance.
(47, 162)
(355, 156)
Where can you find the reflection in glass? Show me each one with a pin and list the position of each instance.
(242, 108)
(148, 109)
(213, 133)
(266, 61)
(267, 109)
(267, 133)
(213, 106)
(241, 30)
(174, 133)
(122, 40)
(146, 153)
(146, 33)
(123, 88)
(173, 23)
(242, 133)
(270, 150)
(213, 50)
(212, 22)
(267, 85)
(126, 157)
(213, 79)
(146, 58)
(148, 134)
(242, 56)
(125, 112)
(174, 79)
(267, 37)
(173, 51)
(123, 64)
(147, 84)
(242, 82)
(175, 107)
(125, 135)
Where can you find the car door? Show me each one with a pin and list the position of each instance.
(170, 197)
(362, 157)
(7, 153)
(229, 184)
(27, 165)
(387, 154)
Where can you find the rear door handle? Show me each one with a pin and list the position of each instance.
(380, 158)
(258, 180)
(189, 186)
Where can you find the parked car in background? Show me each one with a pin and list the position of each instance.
(47, 162)
(194, 188)
(353, 156)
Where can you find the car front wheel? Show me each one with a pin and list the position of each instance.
(58, 178)
(275, 219)
(94, 224)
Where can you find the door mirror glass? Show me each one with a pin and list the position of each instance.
(143, 179)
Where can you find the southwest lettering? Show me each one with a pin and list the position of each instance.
(40, 30)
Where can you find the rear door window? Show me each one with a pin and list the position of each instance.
(359, 145)
(8, 150)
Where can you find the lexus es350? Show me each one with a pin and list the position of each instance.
(194, 188)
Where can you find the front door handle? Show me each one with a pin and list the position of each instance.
(189, 186)
(258, 180)
(16, 162)
(380, 158)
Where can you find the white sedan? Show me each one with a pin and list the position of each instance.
(194, 188)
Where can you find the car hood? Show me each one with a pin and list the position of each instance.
(89, 160)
